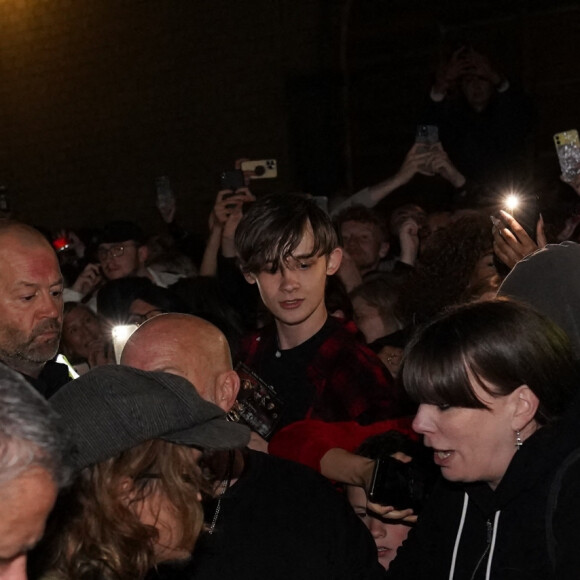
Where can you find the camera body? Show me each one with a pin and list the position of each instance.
(401, 485)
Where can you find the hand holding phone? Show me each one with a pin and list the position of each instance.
(511, 242)
(88, 279)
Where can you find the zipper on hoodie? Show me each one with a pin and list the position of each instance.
(489, 535)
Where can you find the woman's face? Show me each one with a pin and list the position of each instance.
(81, 332)
(484, 275)
(157, 511)
(388, 536)
(369, 321)
(471, 444)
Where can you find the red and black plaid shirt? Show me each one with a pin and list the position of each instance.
(351, 383)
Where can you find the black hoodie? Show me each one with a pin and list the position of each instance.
(502, 534)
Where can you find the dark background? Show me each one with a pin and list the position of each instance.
(99, 97)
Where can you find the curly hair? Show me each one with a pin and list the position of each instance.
(445, 268)
(97, 532)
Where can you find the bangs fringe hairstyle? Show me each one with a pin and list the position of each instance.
(274, 226)
(99, 534)
(504, 343)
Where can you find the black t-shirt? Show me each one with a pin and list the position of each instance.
(286, 371)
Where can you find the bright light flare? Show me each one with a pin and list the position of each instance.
(121, 335)
(512, 202)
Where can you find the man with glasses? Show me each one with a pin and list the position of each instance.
(121, 252)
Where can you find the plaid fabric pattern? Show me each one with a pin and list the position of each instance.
(351, 382)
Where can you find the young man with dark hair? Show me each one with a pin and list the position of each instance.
(319, 368)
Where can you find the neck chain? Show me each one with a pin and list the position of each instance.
(278, 352)
(222, 489)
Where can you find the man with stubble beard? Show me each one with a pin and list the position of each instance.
(30, 306)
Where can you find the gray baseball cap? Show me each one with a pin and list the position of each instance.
(113, 408)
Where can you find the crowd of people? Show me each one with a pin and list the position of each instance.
(360, 394)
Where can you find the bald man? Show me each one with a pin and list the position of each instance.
(31, 305)
(271, 518)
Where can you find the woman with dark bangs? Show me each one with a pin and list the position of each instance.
(496, 385)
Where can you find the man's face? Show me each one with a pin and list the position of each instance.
(121, 259)
(477, 91)
(30, 303)
(25, 503)
(363, 242)
(294, 294)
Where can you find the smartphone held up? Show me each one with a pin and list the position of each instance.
(568, 149)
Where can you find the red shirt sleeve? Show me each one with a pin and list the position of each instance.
(309, 440)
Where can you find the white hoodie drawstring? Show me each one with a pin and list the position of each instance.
(458, 538)
(460, 532)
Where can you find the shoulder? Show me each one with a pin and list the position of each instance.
(288, 483)
(253, 343)
(345, 351)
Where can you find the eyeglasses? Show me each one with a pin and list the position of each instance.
(114, 251)
(139, 319)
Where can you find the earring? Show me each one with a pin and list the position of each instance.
(518, 441)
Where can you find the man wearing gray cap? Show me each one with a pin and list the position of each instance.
(31, 470)
(135, 501)
(272, 518)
